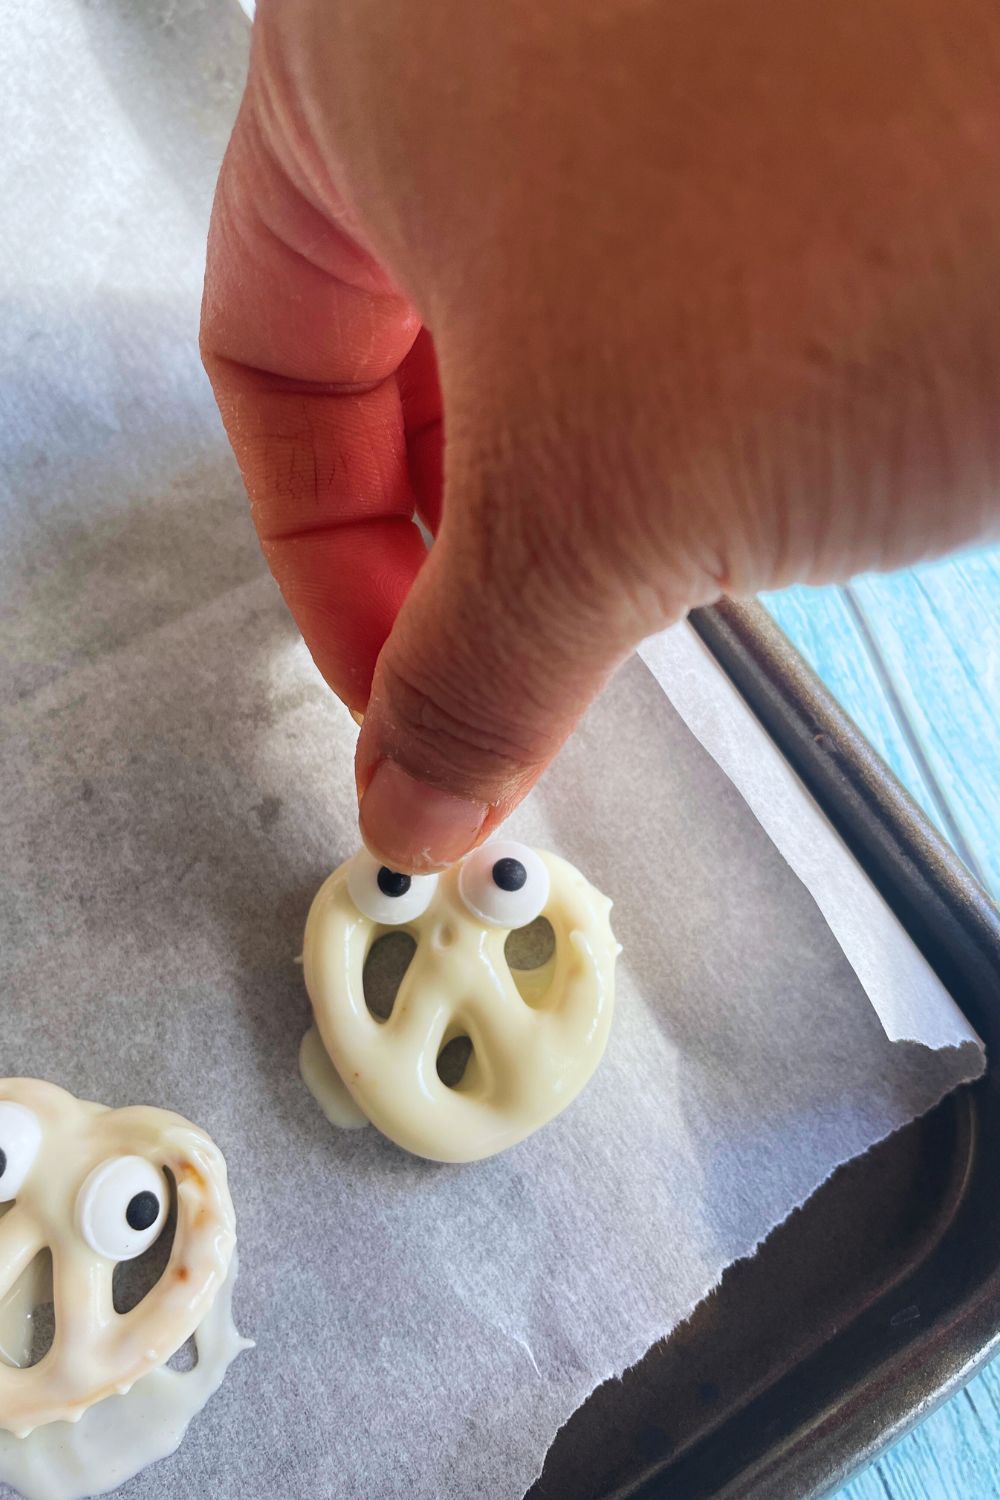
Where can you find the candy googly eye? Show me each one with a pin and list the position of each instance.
(504, 884)
(385, 896)
(20, 1138)
(122, 1207)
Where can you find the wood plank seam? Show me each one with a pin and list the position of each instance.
(942, 806)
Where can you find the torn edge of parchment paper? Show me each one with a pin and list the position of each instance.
(970, 1055)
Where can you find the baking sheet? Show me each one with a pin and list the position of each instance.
(175, 782)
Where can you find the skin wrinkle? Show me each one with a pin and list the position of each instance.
(518, 647)
(240, 221)
(291, 540)
(309, 256)
(558, 564)
(456, 695)
(825, 483)
(313, 458)
(290, 145)
(274, 540)
(902, 418)
(289, 385)
(582, 549)
(444, 740)
(508, 566)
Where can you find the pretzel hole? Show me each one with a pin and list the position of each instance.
(385, 968)
(531, 957)
(184, 1358)
(135, 1279)
(453, 1059)
(27, 1317)
(43, 1328)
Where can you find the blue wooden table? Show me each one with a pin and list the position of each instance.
(915, 659)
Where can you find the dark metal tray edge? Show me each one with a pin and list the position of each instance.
(957, 927)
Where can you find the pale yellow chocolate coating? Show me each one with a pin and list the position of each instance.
(97, 1351)
(117, 1437)
(326, 1085)
(534, 1046)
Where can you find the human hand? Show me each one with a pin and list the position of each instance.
(705, 297)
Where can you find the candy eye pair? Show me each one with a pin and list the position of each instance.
(122, 1206)
(504, 885)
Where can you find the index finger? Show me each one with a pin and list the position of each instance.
(302, 337)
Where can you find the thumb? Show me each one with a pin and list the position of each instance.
(475, 690)
(509, 631)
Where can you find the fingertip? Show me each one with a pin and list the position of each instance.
(414, 827)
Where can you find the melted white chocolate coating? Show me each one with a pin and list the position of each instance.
(326, 1085)
(121, 1435)
(534, 1044)
(97, 1352)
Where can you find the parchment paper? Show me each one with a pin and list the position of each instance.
(175, 782)
(906, 993)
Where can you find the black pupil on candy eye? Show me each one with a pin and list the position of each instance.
(142, 1211)
(3, 1161)
(509, 874)
(391, 883)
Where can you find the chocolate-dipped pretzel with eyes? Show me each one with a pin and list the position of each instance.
(536, 1038)
(90, 1185)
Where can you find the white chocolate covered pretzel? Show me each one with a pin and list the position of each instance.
(536, 1037)
(89, 1184)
